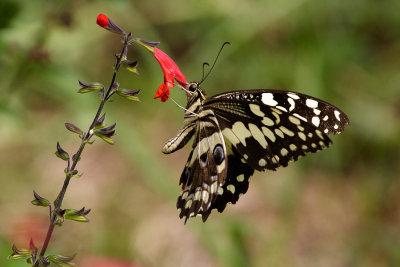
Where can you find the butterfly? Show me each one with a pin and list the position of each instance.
(236, 133)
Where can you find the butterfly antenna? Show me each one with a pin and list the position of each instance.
(204, 65)
(215, 61)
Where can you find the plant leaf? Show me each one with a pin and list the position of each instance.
(129, 94)
(100, 122)
(19, 253)
(90, 87)
(71, 127)
(39, 201)
(106, 139)
(131, 66)
(63, 261)
(77, 215)
(61, 153)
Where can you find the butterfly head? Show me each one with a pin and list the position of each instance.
(195, 100)
(193, 86)
(195, 93)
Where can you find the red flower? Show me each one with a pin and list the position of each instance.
(171, 73)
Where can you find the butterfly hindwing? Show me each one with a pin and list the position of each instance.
(236, 183)
(205, 170)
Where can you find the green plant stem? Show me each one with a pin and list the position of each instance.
(85, 138)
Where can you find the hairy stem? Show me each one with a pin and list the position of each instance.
(85, 138)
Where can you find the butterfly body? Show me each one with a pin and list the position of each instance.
(238, 132)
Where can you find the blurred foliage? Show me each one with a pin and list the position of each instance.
(339, 207)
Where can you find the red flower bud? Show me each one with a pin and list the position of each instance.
(102, 20)
(171, 73)
(106, 23)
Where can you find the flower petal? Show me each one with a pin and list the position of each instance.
(162, 92)
(180, 78)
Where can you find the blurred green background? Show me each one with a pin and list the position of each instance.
(339, 207)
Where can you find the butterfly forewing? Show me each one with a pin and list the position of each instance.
(321, 114)
(269, 128)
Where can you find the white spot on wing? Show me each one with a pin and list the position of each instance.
(268, 99)
(314, 145)
(267, 121)
(315, 121)
(241, 132)
(213, 188)
(256, 110)
(268, 133)
(188, 204)
(294, 120)
(276, 110)
(258, 135)
(220, 191)
(311, 103)
(282, 108)
(319, 133)
(278, 120)
(337, 115)
(262, 162)
(299, 116)
(286, 131)
(293, 147)
(279, 133)
(205, 196)
(294, 96)
(292, 104)
(231, 188)
(302, 136)
(197, 195)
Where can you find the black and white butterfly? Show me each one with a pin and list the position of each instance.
(238, 132)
